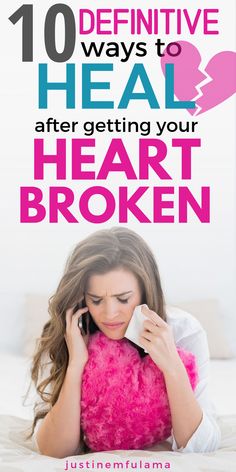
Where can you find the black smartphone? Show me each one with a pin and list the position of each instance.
(88, 325)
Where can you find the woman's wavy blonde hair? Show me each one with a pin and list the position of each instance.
(99, 253)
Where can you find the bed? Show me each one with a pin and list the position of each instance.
(19, 455)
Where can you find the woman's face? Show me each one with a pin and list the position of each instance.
(111, 299)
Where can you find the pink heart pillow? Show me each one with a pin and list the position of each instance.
(124, 403)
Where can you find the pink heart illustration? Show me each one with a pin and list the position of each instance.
(220, 70)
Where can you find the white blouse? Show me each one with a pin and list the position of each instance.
(189, 335)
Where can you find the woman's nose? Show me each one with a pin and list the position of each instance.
(111, 310)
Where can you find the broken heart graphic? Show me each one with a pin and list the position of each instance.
(218, 79)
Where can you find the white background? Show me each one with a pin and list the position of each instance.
(197, 261)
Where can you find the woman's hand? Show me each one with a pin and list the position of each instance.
(158, 340)
(76, 343)
(186, 413)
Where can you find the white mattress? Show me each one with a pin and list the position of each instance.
(15, 379)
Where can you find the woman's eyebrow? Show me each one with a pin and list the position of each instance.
(92, 295)
(123, 293)
(115, 294)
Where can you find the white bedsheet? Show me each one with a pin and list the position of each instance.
(18, 455)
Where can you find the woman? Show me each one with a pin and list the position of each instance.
(107, 276)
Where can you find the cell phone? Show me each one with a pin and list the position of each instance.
(85, 322)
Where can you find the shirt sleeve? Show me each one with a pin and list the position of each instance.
(207, 436)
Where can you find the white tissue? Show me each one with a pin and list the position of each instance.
(136, 326)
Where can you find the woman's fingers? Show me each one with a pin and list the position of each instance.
(144, 342)
(150, 326)
(78, 314)
(72, 318)
(148, 336)
(154, 317)
(69, 314)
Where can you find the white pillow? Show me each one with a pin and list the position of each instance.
(36, 315)
(209, 315)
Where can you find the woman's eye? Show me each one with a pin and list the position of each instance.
(122, 300)
(96, 302)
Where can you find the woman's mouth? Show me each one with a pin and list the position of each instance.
(113, 325)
